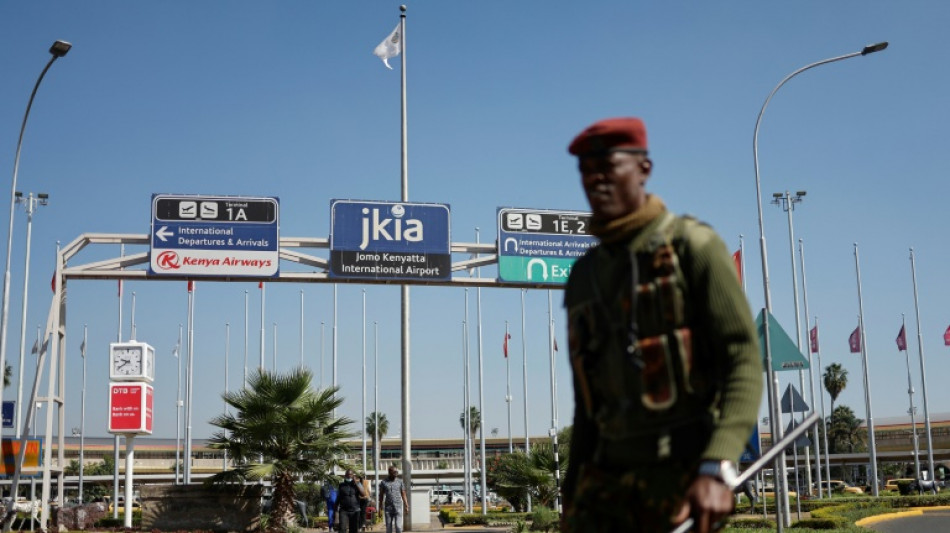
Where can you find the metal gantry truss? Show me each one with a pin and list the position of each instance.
(291, 249)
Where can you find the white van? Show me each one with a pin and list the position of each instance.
(445, 496)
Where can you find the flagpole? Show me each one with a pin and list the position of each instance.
(867, 379)
(923, 372)
(511, 447)
(275, 347)
(811, 375)
(467, 414)
(115, 438)
(82, 416)
(823, 419)
(902, 345)
(323, 327)
(553, 431)
(376, 434)
(301, 329)
(245, 340)
(742, 262)
(333, 345)
(227, 353)
(178, 406)
(482, 467)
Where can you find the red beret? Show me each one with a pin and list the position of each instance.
(625, 133)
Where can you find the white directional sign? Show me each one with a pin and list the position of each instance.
(214, 236)
(540, 245)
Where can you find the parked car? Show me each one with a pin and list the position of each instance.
(769, 492)
(838, 486)
(446, 497)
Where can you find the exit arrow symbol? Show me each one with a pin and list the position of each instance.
(162, 233)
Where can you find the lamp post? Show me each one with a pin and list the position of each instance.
(782, 516)
(29, 205)
(58, 50)
(787, 202)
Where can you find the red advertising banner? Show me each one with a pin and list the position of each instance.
(130, 408)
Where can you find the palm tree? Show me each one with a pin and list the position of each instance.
(475, 422)
(371, 431)
(7, 374)
(846, 430)
(279, 428)
(835, 379)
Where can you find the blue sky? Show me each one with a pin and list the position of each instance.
(286, 99)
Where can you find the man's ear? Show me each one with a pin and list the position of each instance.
(646, 165)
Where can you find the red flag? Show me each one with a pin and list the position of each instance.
(52, 283)
(946, 337)
(813, 336)
(737, 257)
(191, 286)
(854, 341)
(260, 284)
(507, 336)
(902, 339)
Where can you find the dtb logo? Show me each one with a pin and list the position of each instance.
(376, 228)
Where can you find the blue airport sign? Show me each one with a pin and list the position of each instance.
(8, 409)
(231, 236)
(389, 240)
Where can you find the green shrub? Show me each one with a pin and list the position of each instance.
(833, 522)
(447, 516)
(473, 519)
(751, 523)
(544, 519)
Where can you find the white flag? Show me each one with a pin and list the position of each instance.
(390, 47)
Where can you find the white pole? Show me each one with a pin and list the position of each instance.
(923, 371)
(511, 444)
(189, 381)
(129, 465)
(467, 414)
(363, 402)
(275, 347)
(301, 329)
(115, 438)
(261, 287)
(323, 326)
(334, 344)
(30, 207)
(524, 378)
(82, 417)
(553, 431)
(178, 406)
(867, 379)
(481, 395)
(245, 341)
(227, 388)
(811, 375)
(376, 435)
(910, 397)
(132, 320)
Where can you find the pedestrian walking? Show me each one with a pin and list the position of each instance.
(392, 498)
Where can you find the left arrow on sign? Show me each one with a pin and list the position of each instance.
(163, 234)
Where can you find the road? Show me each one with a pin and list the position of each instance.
(925, 521)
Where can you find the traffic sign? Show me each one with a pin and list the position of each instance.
(539, 245)
(214, 236)
(389, 240)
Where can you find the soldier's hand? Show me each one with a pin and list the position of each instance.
(708, 501)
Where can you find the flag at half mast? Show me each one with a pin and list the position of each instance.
(854, 341)
(902, 340)
(813, 337)
(390, 47)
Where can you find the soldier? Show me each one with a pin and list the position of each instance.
(667, 374)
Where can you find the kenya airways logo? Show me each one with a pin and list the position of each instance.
(168, 261)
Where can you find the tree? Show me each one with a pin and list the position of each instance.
(835, 379)
(514, 476)
(475, 422)
(371, 431)
(845, 432)
(7, 374)
(279, 428)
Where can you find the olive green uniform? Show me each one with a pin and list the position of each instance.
(679, 383)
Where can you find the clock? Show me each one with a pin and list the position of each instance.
(131, 361)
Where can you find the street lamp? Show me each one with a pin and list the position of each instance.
(787, 202)
(30, 203)
(772, 392)
(58, 50)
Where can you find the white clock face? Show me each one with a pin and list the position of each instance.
(127, 361)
